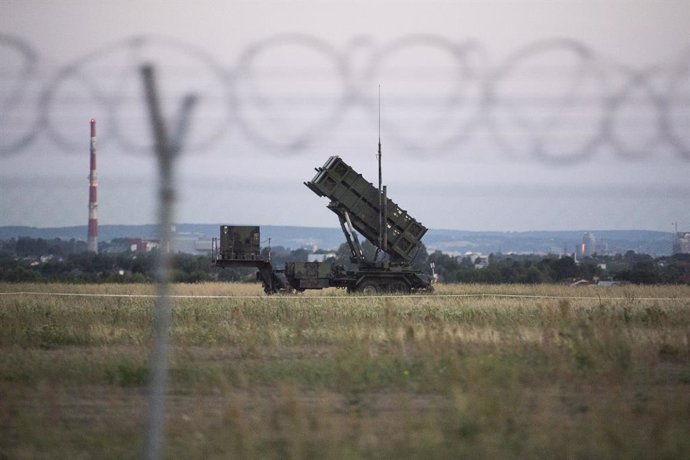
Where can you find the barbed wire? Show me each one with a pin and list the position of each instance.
(553, 100)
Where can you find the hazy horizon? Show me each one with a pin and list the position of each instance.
(337, 228)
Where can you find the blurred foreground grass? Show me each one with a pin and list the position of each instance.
(596, 372)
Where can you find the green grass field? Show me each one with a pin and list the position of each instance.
(470, 371)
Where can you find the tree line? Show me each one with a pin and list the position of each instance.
(41, 260)
(37, 259)
(533, 269)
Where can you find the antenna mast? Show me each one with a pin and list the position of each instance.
(381, 222)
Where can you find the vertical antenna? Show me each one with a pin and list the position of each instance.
(379, 133)
(380, 182)
(384, 248)
(381, 222)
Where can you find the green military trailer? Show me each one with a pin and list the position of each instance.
(360, 208)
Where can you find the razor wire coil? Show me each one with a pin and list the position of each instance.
(555, 100)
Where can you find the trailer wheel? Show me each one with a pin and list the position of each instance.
(368, 287)
(399, 287)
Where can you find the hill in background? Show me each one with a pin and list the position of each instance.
(450, 241)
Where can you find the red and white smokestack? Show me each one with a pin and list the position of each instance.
(92, 240)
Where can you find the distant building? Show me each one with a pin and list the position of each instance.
(477, 260)
(588, 244)
(481, 262)
(142, 246)
(190, 243)
(681, 243)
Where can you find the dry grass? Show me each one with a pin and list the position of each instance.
(566, 372)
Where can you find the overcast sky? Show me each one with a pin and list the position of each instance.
(495, 115)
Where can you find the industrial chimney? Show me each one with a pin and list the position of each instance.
(92, 239)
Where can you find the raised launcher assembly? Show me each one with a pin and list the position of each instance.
(360, 208)
(356, 201)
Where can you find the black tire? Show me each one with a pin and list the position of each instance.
(368, 288)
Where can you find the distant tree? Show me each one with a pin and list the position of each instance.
(278, 254)
(589, 270)
(299, 255)
(444, 265)
(22, 275)
(533, 276)
(509, 271)
(676, 269)
(19, 262)
(30, 247)
(642, 272)
(564, 268)
(466, 262)
(141, 264)
(343, 254)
